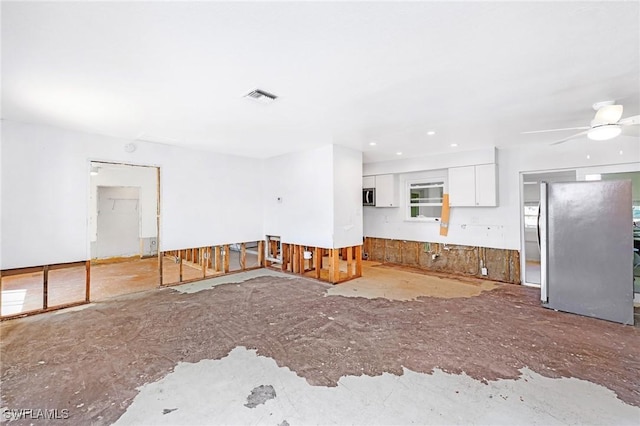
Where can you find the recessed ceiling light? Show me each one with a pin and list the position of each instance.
(431, 133)
(621, 152)
(588, 156)
(372, 143)
(398, 153)
(454, 145)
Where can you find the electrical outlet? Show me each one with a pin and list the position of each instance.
(485, 272)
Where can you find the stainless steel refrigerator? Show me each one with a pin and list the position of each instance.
(586, 249)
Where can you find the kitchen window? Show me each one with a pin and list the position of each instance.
(424, 199)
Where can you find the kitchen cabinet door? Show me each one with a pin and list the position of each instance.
(462, 186)
(473, 186)
(486, 185)
(368, 182)
(386, 191)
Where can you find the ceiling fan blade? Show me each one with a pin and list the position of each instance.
(555, 130)
(569, 138)
(608, 114)
(630, 121)
(633, 131)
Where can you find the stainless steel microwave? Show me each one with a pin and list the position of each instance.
(369, 197)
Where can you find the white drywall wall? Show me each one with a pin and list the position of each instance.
(298, 197)
(314, 197)
(1, 179)
(206, 198)
(347, 196)
(118, 222)
(144, 178)
(497, 227)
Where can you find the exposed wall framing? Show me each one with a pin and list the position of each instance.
(330, 265)
(502, 265)
(46, 271)
(198, 263)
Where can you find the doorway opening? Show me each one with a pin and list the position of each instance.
(530, 208)
(124, 202)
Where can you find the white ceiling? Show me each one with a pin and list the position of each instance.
(478, 73)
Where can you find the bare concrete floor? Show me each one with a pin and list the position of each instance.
(176, 356)
(220, 393)
(396, 283)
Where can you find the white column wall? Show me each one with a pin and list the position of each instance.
(347, 196)
(298, 197)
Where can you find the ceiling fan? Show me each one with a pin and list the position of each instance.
(607, 124)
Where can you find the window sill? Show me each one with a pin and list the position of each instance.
(423, 219)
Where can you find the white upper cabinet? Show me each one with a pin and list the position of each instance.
(368, 182)
(462, 186)
(472, 186)
(486, 185)
(386, 191)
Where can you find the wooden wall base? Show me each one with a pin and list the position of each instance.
(502, 264)
(199, 263)
(45, 269)
(333, 265)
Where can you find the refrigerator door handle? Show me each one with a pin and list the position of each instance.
(542, 239)
(538, 226)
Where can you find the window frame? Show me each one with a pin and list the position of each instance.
(434, 181)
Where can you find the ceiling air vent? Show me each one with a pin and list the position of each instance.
(261, 96)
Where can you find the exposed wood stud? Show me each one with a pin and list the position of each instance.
(285, 256)
(218, 259)
(301, 258)
(226, 258)
(291, 249)
(243, 256)
(160, 256)
(261, 253)
(295, 261)
(181, 261)
(45, 287)
(87, 281)
(349, 262)
(203, 261)
(334, 265)
(358, 255)
(318, 261)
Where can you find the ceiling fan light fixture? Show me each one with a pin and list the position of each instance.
(603, 133)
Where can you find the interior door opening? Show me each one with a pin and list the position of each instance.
(123, 228)
(530, 209)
